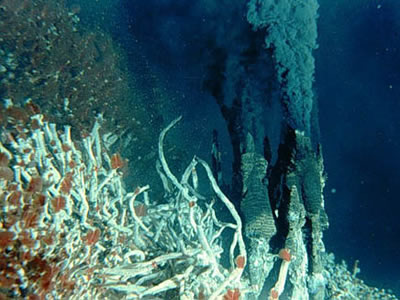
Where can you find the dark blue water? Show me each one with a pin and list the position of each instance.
(358, 86)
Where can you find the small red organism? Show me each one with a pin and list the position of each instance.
(67, 284)
(72, 164)
(240, 261)
(201, 295)
(39, 200)
(4, 160)
(84, 134)
(285, 254)
(26, 239)
(65, 147)
(11, 219)
(25, 256)
(58, 203)
(66, 183)
(35, 185)
(33, 297)
(32, 107)
(30, 219)
(21, 164)
(274, 294)
(47, 280)
(48, 239)
(154, 265)
(6, 238)
(92, 237)
(14, 198)
(116, 161)
(232, 295)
